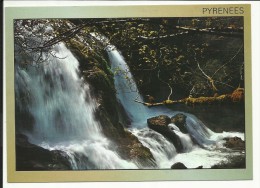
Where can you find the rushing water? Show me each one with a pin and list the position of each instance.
(63, 111)
(127, 91)
(57, 99)
(163, 151)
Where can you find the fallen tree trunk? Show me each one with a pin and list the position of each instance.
(236, 97)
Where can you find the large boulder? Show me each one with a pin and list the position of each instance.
(180, 120)
(160, 125)
(30, 157)
(234, 162)
(130, 148)
(234, 143)
(178, 165)
(159, 122)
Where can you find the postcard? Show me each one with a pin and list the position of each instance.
(129, 93)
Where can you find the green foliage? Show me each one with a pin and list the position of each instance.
(194, 62)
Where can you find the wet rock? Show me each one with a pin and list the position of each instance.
(180, 120)
(160, 125)
(159, 122)
(24, 120)
(95, 68)
(30, 157)
(130, 148)
(178, 165)
(234, 162)
(234, 143)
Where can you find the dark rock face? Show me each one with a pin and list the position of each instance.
(178, 166)
(160, 125)
(129, 147)
(96, 71)
(30, 157)
(235, 143)
(24, 120)
(180, 120)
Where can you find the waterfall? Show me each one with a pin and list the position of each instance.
(63, 112)
(127, 90)
(57, 99)
(163, 151)
(203, 135)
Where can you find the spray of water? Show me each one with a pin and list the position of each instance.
(63, 112)
(127, 90)
(163, 151)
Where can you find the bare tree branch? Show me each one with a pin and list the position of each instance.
(158, 76)
(228, 61)
(206, 76)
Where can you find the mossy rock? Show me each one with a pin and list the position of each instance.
(129, 147)
(159, 122)
(180, 120)
(234, 143)
(99, 79)
(160, 125)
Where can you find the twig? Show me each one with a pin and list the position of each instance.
(158, 75)
(207, 77)
(228, 61)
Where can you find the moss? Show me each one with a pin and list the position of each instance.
(102, 63)
(168, 102)
(238, 95)
(100, 79)
(79, 46)
(207, 100)
(96, 70)
(86, 55)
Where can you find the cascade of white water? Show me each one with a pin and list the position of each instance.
(63, 112)
(185, 138)
(163, 151)
(203, 135)
(127, 90)
(57, 99)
